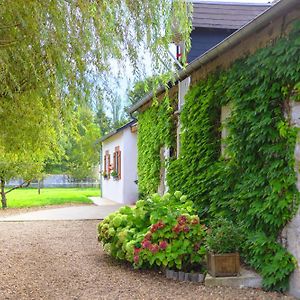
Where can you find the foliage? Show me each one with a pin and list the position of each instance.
(224, 236)
(255, 181)
(114, 174)
(39, 41)
(29, 197)
(52, 54)
(159, 231)
(28, 136)
(83, 153)
(81, 147)
(141, 89)
(154, 132)
(270, 258)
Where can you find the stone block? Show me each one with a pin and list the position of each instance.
(246, 279)
(292, 232)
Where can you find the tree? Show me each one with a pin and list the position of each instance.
(84, 151)
(141, 88)
(64, 43)
(51, 53)
(28, 135)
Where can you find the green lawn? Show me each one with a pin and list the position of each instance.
(49, 196)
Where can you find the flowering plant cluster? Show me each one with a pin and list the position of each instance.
(174, 242)
(159, 231)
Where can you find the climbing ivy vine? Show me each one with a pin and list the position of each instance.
(254, 183)
(155, 131)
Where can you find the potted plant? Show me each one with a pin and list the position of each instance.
(114, 175)
(223, 242)
(105, 175)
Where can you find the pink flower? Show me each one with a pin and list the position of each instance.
(146, 244)
(154, 228)
(195, 221)
(181, 220)
(136, 259)
(176, 228)
(154, 248)
(186, 228)
(137, 251)
(163, 245)
(160, 224)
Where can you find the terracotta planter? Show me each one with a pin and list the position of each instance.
(222, 265)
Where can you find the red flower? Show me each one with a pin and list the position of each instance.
(137, 251)
(195, 221)
(181, 220)
(154, 228)
(176, 228)
(163, 245)
(146, 244)
(160, 224)
(136, 259)
(186, 228)
(154, 248)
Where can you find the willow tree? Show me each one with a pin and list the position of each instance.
(52, 51)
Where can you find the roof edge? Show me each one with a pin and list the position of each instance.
(112, 133)
(254, 25)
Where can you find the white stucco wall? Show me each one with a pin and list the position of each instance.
(123, 190)
(113, 189)
(130, 166)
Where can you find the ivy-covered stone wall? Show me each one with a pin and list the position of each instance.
(254, 183)
(156, 129)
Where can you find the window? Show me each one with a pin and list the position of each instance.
(106, 171)
(117, 162)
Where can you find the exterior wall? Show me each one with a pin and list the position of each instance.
(225, 115)
(130, 166)
(113, 189)
(278, 28)
(202, 39)
(291, 233)
(123, 190)
(183, 88)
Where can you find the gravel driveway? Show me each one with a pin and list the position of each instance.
(62, 260)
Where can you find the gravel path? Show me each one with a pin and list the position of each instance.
(62, 260)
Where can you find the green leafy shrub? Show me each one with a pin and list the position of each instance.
(271, 260)
(224, 236)
(159, 231)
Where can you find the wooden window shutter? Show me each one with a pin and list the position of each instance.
(108, 165)
(119, 163)
(115, 162)
(105, 164)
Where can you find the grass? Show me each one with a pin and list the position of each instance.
(29, 197)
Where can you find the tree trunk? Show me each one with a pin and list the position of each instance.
(3, 195)
(39, 187)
